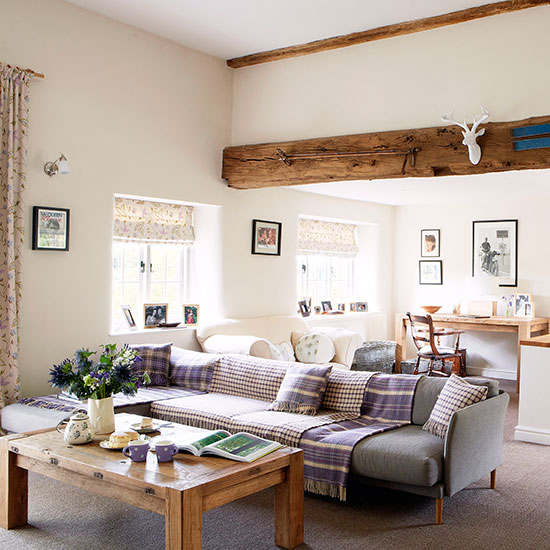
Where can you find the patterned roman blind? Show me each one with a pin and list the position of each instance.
(152, 222)
(327, 238)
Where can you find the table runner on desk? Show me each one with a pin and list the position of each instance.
(327, 449)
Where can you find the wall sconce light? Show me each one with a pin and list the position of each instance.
(58, 166)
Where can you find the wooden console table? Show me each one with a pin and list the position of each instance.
(524, 327)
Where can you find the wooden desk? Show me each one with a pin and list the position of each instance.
(524, 327)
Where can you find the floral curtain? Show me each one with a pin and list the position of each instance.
(14, 120)
(327, 238)
(147, 221)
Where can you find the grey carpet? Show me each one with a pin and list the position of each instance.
(515, 516)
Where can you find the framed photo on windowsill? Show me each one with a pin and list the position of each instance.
(430, 272)
(191, 314)
(155, 314)
(266, 237)
(50, 228)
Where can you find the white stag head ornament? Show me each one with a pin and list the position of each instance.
(470, 134)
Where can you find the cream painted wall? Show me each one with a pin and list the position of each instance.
(403, 82)
(408, 82)
(139, 115)
(488, 354)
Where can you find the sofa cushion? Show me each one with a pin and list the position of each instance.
(191, 369)
(210, 410)
(345, 341)
(314, 348)
(155, 361)
(346, 391)
(250, 377)
(302, 389)
(457, 394)
(242, 345)
(404, 455)
(429, 388)
(282, 352)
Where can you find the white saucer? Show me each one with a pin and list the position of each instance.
(137, 427)
(106, 444)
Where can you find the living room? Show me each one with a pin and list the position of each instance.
(139, 115)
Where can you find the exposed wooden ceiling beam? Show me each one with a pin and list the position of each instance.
(422, 152)
(389, 31)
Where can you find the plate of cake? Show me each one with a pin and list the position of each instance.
(146, 426)
(119, 439)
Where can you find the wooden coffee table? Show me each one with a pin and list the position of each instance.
(180, 490)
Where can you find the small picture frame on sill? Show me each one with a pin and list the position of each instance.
(191, 314)
(352, 306)
(326, 305)
(361, 306)
(430, 272)
(128, 316)
(266, 237)
(154, 314)
(50, 228)
(305, 309)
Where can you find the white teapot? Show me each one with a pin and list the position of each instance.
(78, 430)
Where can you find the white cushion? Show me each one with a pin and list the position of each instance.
(282, 352)
(443, 350)
(346, 343)
(314, 348)
(241, 345)
(276, 328)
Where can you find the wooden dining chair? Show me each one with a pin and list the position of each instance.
(424, 335)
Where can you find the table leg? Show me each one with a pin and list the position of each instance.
(401, 342)
(183, 519)
(524, 331)
(289, 505)
(13, 489)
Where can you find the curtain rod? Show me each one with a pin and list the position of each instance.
(30, 71)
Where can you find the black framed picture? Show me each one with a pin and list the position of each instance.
(50, 228)
(430, 272)
(266, 237)
(495, 250)
(326, 305)
(429, 243)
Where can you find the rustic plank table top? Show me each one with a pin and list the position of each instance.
(180, 490)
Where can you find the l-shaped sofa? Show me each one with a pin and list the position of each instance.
(406, 458)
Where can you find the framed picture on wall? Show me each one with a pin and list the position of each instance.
(266, 237)
(495, 250)
(431, 272)
(50, 228)
(429, 243)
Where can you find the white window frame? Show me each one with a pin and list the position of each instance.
(305, 283)
(145, 270)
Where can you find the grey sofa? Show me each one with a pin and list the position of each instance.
(406, 458)
(410, 459)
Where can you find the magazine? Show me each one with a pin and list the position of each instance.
(241, 446)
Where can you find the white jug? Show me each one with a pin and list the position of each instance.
(78, 430)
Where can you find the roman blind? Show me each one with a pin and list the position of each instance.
(326, 238)
(138, 220)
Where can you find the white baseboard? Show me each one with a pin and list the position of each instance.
(532, 435)
(491, 373)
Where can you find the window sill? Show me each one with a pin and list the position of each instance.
(151, 330)
(346, 315)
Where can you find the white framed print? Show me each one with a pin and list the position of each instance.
(429, 243)
(430, 272)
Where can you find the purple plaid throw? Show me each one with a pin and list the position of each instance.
(327, 449)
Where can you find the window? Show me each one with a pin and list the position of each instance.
(325, 261)
(150, 257)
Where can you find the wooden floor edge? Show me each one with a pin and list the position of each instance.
(389, 31)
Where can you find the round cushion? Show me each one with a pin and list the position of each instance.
(314, 348)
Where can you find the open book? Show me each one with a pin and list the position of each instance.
(240, 446)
